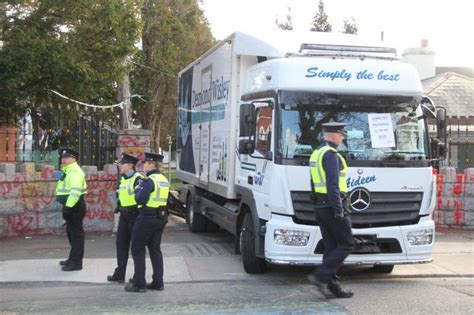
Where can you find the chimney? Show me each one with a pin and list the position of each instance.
(422, 59)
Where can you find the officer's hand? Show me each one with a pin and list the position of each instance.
(67, 212)
(339, 215)
(62, 199)
(117, 209)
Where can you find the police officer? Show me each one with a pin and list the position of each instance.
(328, 169)
(151, 196)
(70, 191)
(128, 209)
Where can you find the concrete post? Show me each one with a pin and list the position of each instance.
(134, 142)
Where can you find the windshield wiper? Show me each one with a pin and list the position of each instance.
(300, 156)
(406, 152)
(351, 154)
(395, 163)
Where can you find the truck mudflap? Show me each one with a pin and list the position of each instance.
(175, 206)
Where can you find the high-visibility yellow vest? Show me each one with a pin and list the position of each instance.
(318, 174)
(126, 191)
(73, 184)
(159, 196)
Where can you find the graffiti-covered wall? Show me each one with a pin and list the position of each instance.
(27, 192)
(28, 203)
(455, 200)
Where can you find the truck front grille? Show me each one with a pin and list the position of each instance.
(369, 244)
(386, 209)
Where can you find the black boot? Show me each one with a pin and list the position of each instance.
(64, 262)
(130, 287)
(115, 279)
(339, 292)
(71, 267)
(154, 286)
(323, 287)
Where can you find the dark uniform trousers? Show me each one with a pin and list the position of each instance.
(124, 236)
(147, 232)
(75, 231)
(337, 240)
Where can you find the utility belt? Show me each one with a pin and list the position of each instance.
(159, 212)
(129, 210)
(62, 199)
(321, 199)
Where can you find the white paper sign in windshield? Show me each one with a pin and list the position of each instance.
(381, 130)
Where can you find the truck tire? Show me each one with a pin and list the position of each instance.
(196, 221)
(252, 263)
(383, 268)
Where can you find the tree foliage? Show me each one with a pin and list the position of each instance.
(79, 48)
(287, 24)
(73, 46)
(350, 26)
(320, 20)
(175, 32)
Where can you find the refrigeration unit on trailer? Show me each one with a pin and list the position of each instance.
(250, 112)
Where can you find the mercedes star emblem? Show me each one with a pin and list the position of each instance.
(359, 199)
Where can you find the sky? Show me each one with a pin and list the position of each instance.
(447, 25)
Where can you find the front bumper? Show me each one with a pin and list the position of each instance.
(305, 255)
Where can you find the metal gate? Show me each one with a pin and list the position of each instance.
(89, 134)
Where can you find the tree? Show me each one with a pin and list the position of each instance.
(175, 32)
(320, 20)
(285, 25)
(73, 46)
(350, 26)
(3, 19)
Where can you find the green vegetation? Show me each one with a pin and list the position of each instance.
(175, 183)
(84, 48)
(320, 22)
(74, 47)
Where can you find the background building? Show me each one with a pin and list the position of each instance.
(453, 88)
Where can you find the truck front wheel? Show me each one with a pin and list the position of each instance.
(252, 263)
(383, 268)
(196, 221)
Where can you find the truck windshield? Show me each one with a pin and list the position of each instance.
(384, 129)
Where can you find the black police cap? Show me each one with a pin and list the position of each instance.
(335, 127)
(153, 157)
(128, 159)
(68, 153)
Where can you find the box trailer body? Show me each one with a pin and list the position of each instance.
(257, 186)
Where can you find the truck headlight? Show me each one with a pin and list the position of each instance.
(291, 237)
(423, 237)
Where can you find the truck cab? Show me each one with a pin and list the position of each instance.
(282, 103)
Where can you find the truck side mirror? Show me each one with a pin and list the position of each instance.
(441, 132)
(438, 149)
(441, 123)
(428, 108)
(247, 120)
(246, 146)
(442, 150)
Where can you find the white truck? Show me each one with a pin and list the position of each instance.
(249, 116)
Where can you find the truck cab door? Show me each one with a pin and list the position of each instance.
(256, 169)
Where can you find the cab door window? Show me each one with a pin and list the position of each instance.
(263, 129)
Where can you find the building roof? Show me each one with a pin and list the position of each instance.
(453, 91)
(466, 71)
